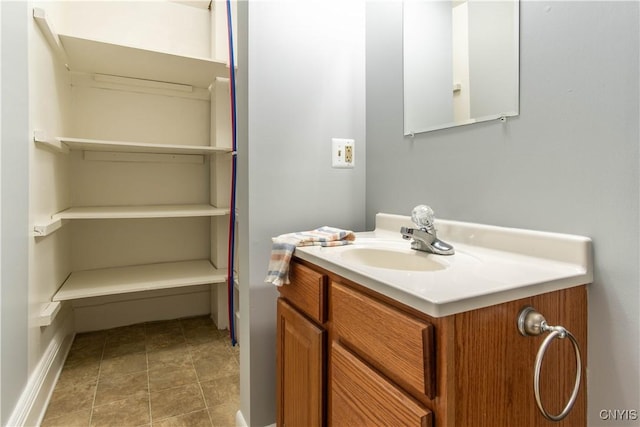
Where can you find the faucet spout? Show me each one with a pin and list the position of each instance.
(426, 241)
(423, 237)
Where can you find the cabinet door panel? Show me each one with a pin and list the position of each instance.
(361, 397)
(300, 359)
(398, 345)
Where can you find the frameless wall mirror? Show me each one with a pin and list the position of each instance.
(461, 62)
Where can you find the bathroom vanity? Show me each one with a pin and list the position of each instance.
(361, 344)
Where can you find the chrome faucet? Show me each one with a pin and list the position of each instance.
(424, 238)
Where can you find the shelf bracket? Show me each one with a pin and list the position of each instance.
(43, 230)
(48, 313)
(50, 35)
(53, 144)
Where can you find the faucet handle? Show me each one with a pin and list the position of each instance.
(422, 216)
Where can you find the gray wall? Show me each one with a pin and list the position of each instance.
(14, 212)
(301, 83)
(568, 163)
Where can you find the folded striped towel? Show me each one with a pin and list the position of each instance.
(285, 245)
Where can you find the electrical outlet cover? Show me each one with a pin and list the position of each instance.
(342, 153)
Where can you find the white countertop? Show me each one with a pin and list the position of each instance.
(491, 265)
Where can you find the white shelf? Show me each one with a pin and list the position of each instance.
(64, 144)
(125, 212)
(138, 147)
(99, 57)
(138, 278)
(93, 56)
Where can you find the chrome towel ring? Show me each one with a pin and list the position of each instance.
(532, 323)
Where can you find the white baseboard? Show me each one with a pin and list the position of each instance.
(30, 409)
(240, 421)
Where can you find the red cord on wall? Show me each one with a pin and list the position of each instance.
(232, 204)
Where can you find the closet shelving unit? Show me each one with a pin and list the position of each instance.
(152, 70)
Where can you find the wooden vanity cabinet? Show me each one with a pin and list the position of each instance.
(350, 356)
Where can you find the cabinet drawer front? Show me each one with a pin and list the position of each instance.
(361, 397)
(398, 345)
(307, 291)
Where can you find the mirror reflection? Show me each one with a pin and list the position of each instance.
(460, 62)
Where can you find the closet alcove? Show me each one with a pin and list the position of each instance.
(130, 167)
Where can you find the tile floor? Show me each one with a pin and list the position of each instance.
(173, 373)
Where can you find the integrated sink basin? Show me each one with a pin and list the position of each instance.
(407, 260)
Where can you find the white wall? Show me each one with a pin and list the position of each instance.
(428, 64)
(305, 85)
(153, 25)
(491, 58)
(568, 163)
(14, 207)
(460, 55)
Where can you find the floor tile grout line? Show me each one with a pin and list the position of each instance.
(204, 399)
(146, 353)
(95, 392)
